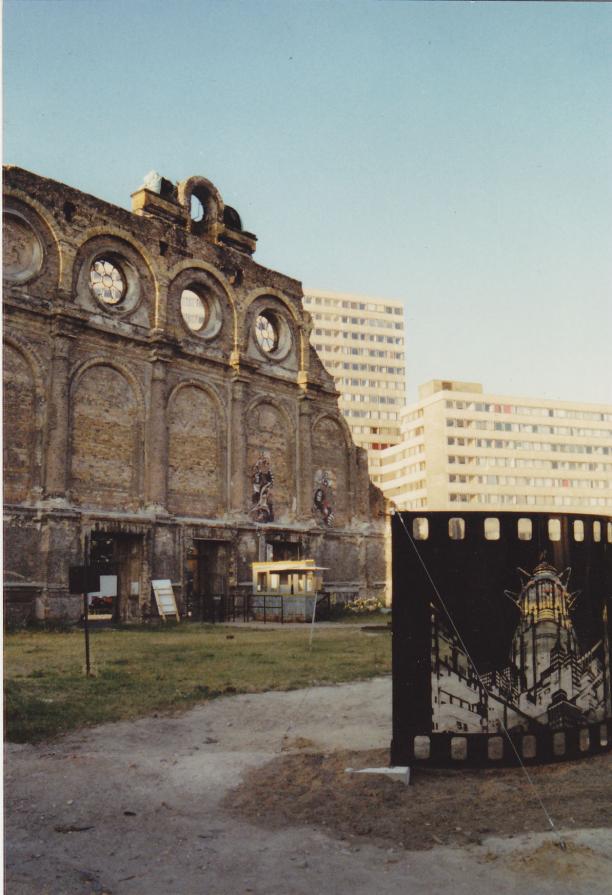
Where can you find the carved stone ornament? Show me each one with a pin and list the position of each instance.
(323, 497)
(262, 508)
(22, 249)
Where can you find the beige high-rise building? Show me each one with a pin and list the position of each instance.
(462, 447)
(361, 342)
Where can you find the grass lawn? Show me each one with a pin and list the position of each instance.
(365, 618)
(138, 671)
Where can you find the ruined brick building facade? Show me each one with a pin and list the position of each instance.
(163, 405)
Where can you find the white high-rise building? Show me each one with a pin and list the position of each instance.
(360, 340)
(461, 447)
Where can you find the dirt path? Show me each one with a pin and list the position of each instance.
(149, 808)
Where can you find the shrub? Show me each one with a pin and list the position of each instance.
(364, 605)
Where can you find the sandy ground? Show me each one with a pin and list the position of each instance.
(164, 806)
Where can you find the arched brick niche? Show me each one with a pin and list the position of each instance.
(501, 637)
(196, 468)
(331, 503)
(112, 279)
(21, 442)
(272, 480)
(270, 332)
(200, 313)
(106, 438)
(202, 203)
(30, 250)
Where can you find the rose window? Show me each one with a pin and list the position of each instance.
(266, 332)
(107, 282)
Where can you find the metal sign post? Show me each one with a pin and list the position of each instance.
(86, 630)
(82, 580)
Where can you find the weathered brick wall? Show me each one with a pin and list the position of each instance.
(271, 436)
(19, 430)
(330, 458)
(121, 417)
(196, 461)
(23, 547)
(344, 558)
(106, 442)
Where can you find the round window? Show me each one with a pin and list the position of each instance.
(266, 332)
(193, 309)
(107, 281)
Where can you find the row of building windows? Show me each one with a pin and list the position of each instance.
(535, 463)
(505, 444)
(370, 352)
(529, 481)
(364, 398)
(361, 382)
(353, 305)
(371, 321)
(410, 470)
(409, 486)
(358, 337)
(534, 500)
(527, 410)
(370, 414)
(371, 368)
(535, 428)
(412, 451)
(375, 322)
(374, 430)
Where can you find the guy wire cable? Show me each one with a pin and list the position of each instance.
(473, 664)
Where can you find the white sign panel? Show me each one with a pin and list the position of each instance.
(164, 596)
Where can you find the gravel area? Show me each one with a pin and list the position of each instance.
(166, 806)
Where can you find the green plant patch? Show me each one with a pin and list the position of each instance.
(138, 671)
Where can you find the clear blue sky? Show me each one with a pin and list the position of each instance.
(457, 156)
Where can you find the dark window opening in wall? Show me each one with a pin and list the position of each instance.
(118, 558)
(284, 550)
(206, 584)
(231, 218)
(69, 210)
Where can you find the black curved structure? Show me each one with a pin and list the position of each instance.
(502, 632)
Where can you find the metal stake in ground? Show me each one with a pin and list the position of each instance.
(86, 631)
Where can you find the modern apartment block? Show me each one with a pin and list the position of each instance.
(462, 447)
(361, 343)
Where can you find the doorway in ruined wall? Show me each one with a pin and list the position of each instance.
(280, 551)
(207, 581)
(118, 558)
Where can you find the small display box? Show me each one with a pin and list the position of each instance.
(285, 591)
